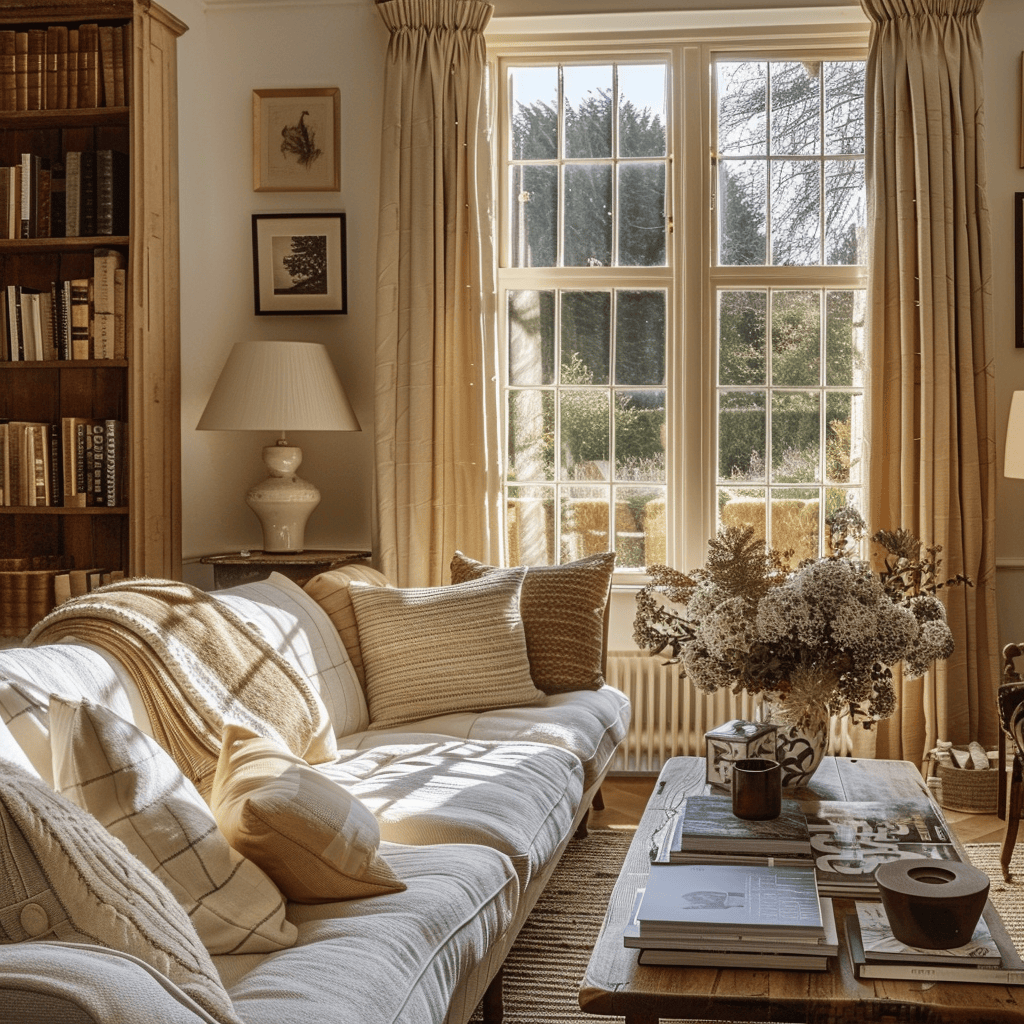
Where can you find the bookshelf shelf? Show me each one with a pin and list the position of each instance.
(140, 388)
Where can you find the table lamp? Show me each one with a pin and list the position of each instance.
(1013, 455)
(281, 386)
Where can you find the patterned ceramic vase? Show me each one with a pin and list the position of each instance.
(799, 748)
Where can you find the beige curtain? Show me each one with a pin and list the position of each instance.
(436, 407)
(932, 466)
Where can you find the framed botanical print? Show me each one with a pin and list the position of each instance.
(296, 140)
(298, 263)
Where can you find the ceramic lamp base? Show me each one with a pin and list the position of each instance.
(283, 502)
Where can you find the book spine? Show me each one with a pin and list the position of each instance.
(36, 68)
(72, 61)
(120, 314)
(21, 70)
(56, 466)
(27, 187)
(117, 43)
(8, 77)
(112, 199)
(14, 321)
(98, 452)
(50, 69)
(43, 201)
(58, 209)
(62, 67)
(89, 65)
(112, 463)
(72, 194)
(80, 318)
(87, 193)
(5, 466)
(106, 46)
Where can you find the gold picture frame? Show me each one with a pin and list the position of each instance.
(296, 140)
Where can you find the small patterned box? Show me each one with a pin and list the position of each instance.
(735, 741)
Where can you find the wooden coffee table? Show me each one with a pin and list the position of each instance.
(616, 985)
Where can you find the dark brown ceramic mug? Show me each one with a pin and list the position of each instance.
(756, 788)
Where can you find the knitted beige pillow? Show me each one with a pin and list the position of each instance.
(437, 650)
(308, 833)
(564, 610)
(64, 877)
(130, 784)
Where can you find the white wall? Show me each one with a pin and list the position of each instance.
(235, 46)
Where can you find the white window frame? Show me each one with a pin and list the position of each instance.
(689, 45)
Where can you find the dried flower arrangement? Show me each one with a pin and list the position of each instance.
(820, 638)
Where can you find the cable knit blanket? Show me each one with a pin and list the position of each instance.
(198, 666)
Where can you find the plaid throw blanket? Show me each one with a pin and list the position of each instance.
(198, 666)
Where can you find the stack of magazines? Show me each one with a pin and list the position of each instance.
(733, 915)
(987, 959)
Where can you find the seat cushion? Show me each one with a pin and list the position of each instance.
(588, 723)
(394, 959)
(434, 650)
(519, 798)
(564, 609)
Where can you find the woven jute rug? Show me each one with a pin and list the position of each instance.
(546, 964)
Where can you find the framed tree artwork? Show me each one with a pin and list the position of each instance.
(296, 140)
(298, 263)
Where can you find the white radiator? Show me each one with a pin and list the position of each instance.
(670, 715)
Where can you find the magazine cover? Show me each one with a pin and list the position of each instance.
(707, 824)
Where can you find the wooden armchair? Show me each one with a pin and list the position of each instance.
(1011, 725)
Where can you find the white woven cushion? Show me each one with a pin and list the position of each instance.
(436, 650)
(130, 784)
(65, 877)
(315, 840)
(295, 625)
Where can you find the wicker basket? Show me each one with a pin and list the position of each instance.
(968, 789)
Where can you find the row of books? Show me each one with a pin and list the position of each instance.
(27, 595)
(75, 463)
(83, 195)
(82, 318)
(62, 67)
(724, 891)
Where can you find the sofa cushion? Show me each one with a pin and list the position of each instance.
(432, 650)
(28, 675)
(588, 723)
(300, 630)
(564, 618)
(518, 798)
(393, 959)
(65, 877)
(330, 590)
(314, 839)
(130, 784)
(10, 750)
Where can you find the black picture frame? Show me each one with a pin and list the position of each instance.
(299, 264)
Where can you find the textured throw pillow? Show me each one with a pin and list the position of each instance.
(437, 650)
(66, 878)
(315, 840)
(330, 591)
(301, 631)
(564, 616)
(130, 784)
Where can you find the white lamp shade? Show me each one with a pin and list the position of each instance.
(1013, 459)
(279, 386)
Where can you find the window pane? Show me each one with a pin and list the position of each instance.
(642, 110)
(742, 107)
(742, 433)
(534, 113)
(841, 497)
(796, 437)
(584, 521)
(795, 213)
(585, 434)
(640, 435)
(844, 338)
(742, 196)
(534, 205)
(531, 337)
(842, 450)
(640, 328)
(844, 106)
(642, 215)
(639, 527)
(845, 212)
(588, 111)
(586, 337)
(794, 516)
(742, 319)
(588, 215)
(795, 127)
(531, 435)
(531, 525)
(796, 338)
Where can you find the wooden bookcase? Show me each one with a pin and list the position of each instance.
(142, 537)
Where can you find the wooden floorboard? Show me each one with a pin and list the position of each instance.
(625, 797)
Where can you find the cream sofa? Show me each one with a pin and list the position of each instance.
(472, 808)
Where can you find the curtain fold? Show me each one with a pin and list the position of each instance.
(437, 432)
(932, 464)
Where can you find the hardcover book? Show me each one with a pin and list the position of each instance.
(708, 826)
(706, 899)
